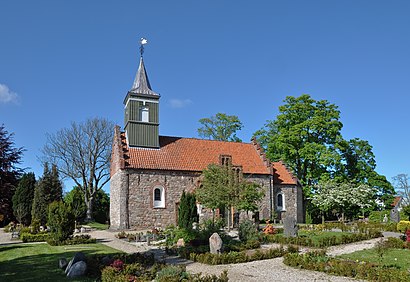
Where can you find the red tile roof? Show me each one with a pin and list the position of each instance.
(282, 175)
(190, 154)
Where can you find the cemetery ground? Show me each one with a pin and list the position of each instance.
(38, 261)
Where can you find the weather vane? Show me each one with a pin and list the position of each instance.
(143, 41)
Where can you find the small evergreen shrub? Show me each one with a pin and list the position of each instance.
(60, 221)
(247, 231)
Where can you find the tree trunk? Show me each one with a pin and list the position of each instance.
(323, 218)
(89, 204)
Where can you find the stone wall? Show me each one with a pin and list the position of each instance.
(293, 201)
(142, 214)
(131, 193)
(119, 200)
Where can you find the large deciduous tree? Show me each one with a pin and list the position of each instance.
(82, 153)
(220, 127)
(10, 157)
(23, 198)
(306, 135)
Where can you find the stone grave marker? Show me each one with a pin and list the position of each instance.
(290, 228)
(215, 244)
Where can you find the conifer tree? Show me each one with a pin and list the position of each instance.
(187, 212)
(48, 190)
(23, 198)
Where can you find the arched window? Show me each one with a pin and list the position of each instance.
(280, 202)
(159, 197)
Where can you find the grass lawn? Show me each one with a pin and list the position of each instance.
(97, 225)
(39, 262)
(391, 257)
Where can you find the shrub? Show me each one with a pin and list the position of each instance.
(187, 211)
(247, 231)
(236, 257)
(403, 225)
(171, 273)
(318, 261)
(40, 237)
(72, 240)
(60, 221)
(394, 243)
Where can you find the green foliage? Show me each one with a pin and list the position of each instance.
(318, 261)
(306, 135)
(40, 237)
(406, 211)
(187, 211)
(220, 127)
(321, 240)
(377, 216)
(403, 225)
(171, 273)
(237, 257)
(60, 221)
(248, 231)
(101, 207)
(72, 240)
(75, 200)
(10, 157)
(48, 189)
(249, 197)
(23, 198)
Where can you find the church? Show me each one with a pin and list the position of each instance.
(149, 171)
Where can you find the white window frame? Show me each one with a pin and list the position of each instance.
(144, 114)
(283, 207)
(161, 202)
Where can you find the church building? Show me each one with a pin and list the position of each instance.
(149, 171)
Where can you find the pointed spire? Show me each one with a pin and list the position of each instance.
(141, 83)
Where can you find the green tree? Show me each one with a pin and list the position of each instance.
(223, 187)
(249, 196)
(47, 190)
(82, 153)
(220, 127)
(23, 198)
(101, 209)
(60, 221)
(10, 157)
(187, 211)
(304, 135)
(75, 200)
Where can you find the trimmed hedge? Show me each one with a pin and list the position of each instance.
(75, 240)
(318, 261)
(40, 237)
(239, 257)
(323, 242)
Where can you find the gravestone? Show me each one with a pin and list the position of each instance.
(215, 244)
(385, 219)
(78, 269)
(394, 215)
(77, 257)
(290, 228)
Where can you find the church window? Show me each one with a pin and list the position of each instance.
(144, 114)
(159, 197)
(280, 202)
(225, 160)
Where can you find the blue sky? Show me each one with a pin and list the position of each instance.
(63, 61)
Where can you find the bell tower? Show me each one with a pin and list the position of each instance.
(141, 119)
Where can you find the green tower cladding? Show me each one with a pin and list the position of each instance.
(142, 110)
